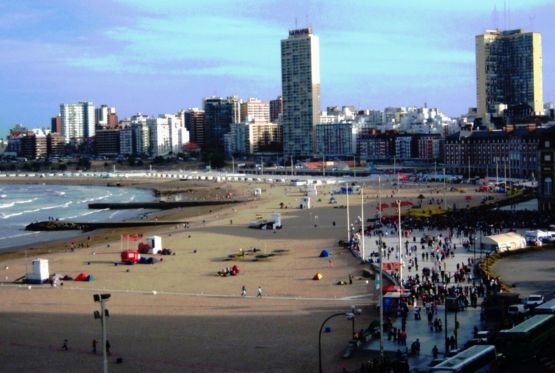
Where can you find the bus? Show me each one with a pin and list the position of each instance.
(478, 358)
(548, 308)
(527, 338)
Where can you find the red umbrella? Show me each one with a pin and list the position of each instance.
(406, 203)
(468, 198)
(382, 206)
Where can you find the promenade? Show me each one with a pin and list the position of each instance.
(421, 329)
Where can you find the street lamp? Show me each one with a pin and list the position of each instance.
(349, 316)
(102, 315)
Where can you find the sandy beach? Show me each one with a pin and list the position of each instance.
(178, 315)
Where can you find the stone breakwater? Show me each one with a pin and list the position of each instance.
(87, 227)
(160, 205)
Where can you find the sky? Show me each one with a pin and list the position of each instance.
(160, 56)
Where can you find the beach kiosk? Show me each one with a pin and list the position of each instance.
(40, 273)
(155, 243)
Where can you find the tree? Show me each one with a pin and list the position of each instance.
(83, 163)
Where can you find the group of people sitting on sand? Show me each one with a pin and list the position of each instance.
(233, 271)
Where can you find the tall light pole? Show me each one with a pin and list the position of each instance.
(102, 315)
(400, 245)
(381, 267)
(444, 191)
(363, 253)
(348, 315)
(348, 215)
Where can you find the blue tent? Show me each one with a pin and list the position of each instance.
(324, 254)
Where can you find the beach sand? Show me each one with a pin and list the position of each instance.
(178, 315)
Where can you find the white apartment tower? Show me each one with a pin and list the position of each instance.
(78, 121)
(300, 80)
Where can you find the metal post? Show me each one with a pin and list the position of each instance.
(348, 217)
(103, 321)
(363, 252)
(446, 340)
(320, 339)
(400, 244)
(444, 191)
(381, 268)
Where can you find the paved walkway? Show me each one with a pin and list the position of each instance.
(420, 329)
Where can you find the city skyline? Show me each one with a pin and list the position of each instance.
(141, 57)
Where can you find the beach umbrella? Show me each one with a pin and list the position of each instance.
(382, 206)
(406, 203)
(468, 198)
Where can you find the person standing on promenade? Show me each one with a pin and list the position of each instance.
(94, 342)
(243, 291)
(65, 345)
(259, 292)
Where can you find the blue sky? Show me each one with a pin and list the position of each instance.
(159, 56)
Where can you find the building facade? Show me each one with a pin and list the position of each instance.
(219, 113)
(508, 72)
(276, 109)
(250, 138)
(336, 139)
(194, 122)
(546, 171)
(300, 80)
(499, 153)
(107, 142)
(78, 121)
(254, 109)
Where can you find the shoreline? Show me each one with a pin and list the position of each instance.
(110, 235)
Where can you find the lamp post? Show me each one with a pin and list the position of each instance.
(381, 266)
(363, 252)
(102, 315)
(349, 316)
(400, 245)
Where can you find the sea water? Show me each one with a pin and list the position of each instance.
(21, 205)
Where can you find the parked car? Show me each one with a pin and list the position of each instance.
(533, 300)
(517, 309)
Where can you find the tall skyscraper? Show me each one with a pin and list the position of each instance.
(300, 82)
(78, 121)
(509, 72)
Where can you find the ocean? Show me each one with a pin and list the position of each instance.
(23, 204)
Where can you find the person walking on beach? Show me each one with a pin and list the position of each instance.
(108, 346)
(65, 346)
(259, 292)
(94, 342)
(243, 291)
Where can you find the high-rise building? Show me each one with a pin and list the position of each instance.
(300, 80)
(276, 108)
(194, 122)
(255, 110)
(56, 124)
(78, 121)
(219, 113)
(509, 73)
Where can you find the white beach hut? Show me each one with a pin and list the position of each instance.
(39, 272)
